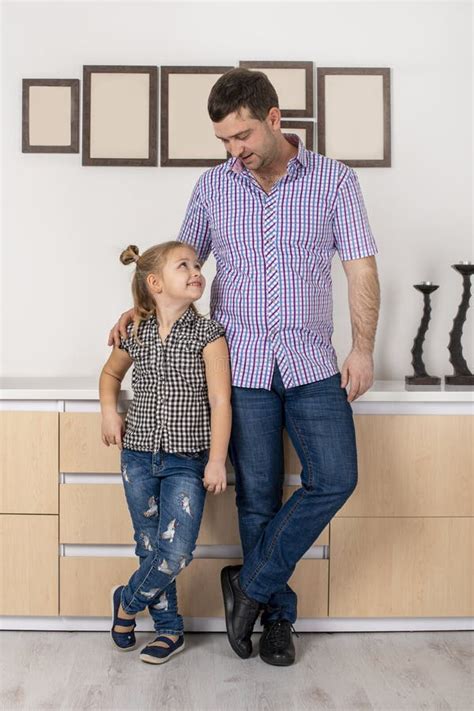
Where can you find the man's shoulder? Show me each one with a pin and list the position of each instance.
(327, 173)
(318, 161)
(214, 174)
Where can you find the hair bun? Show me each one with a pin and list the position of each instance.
(129, 255)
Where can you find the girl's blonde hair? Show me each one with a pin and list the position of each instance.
(151, 261)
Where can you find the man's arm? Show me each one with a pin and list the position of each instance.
(364, 304)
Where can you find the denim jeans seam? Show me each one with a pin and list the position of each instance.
(156, 554)
(303, 447)
(264, 562)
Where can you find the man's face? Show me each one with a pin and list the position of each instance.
(254, 141)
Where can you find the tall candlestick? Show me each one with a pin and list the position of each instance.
(462, 374)
(421, 377)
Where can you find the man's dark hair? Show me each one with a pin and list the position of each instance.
(241, 88)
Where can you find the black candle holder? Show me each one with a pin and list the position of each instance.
(421, 377)
(462, 374)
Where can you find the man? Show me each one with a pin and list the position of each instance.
(273, 216)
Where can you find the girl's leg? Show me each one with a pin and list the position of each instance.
(181, 503)
(164, 611)
(142, 490)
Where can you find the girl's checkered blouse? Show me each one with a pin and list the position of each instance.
(170, 409)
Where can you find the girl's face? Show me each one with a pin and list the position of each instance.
(181, 279)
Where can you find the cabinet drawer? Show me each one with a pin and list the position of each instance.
(29, 559)
(86, 585)
(98, 513)
(200, 594)
(413, 465)
(81, 447)
(94, 513)
(220, 521)
(401, 567)
(29, 462)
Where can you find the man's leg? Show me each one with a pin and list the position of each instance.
(319, 421)
(256, 452)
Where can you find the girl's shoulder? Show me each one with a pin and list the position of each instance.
(130, 343)
(208, 330)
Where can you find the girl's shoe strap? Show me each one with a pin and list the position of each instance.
(124, 623)
(166, 640)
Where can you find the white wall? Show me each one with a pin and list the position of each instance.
(64, 225)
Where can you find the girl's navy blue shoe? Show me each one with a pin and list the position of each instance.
(158, 655)
(125, 641)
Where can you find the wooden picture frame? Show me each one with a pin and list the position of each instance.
(293, 82)
(185, 142)
(119, 126)
(303, 129)
(50, 116)
(354, 116)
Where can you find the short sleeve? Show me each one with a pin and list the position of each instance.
(126, 344)
(353, 237)
(196, 230)
(212, 332)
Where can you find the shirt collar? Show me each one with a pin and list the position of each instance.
(186, 319)
(236, 165)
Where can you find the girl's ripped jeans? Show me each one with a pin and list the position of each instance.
(165, 497)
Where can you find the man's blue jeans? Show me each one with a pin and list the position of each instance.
(319, 422)
(165, 497)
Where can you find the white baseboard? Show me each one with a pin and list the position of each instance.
(216, 624)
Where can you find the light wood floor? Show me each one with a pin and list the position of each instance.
(396, 670)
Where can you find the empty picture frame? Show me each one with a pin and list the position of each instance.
(50, 116)
(187, 136)
(293, 82)
(354, 116)
(303, 129)
(119, 125)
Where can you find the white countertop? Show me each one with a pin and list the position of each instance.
(88, 389)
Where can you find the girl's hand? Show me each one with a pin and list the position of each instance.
(215, 477)
(113, 429)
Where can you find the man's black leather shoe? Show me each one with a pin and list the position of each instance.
(241, 612)
(276, 643)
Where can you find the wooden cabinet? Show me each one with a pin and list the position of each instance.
(401, 567)
(401, 546)
(29, 513)
(86, 584)
(82, 449)
(413, 465)
(29, 559)
(29, 462)
(94, 513)
(98, 514)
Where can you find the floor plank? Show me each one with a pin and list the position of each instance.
(374, 671)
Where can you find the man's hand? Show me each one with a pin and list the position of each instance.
(113, 429)
(120, 328)
(215, 478)
(358, 369)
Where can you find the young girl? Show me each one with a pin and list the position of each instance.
(175, 438)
